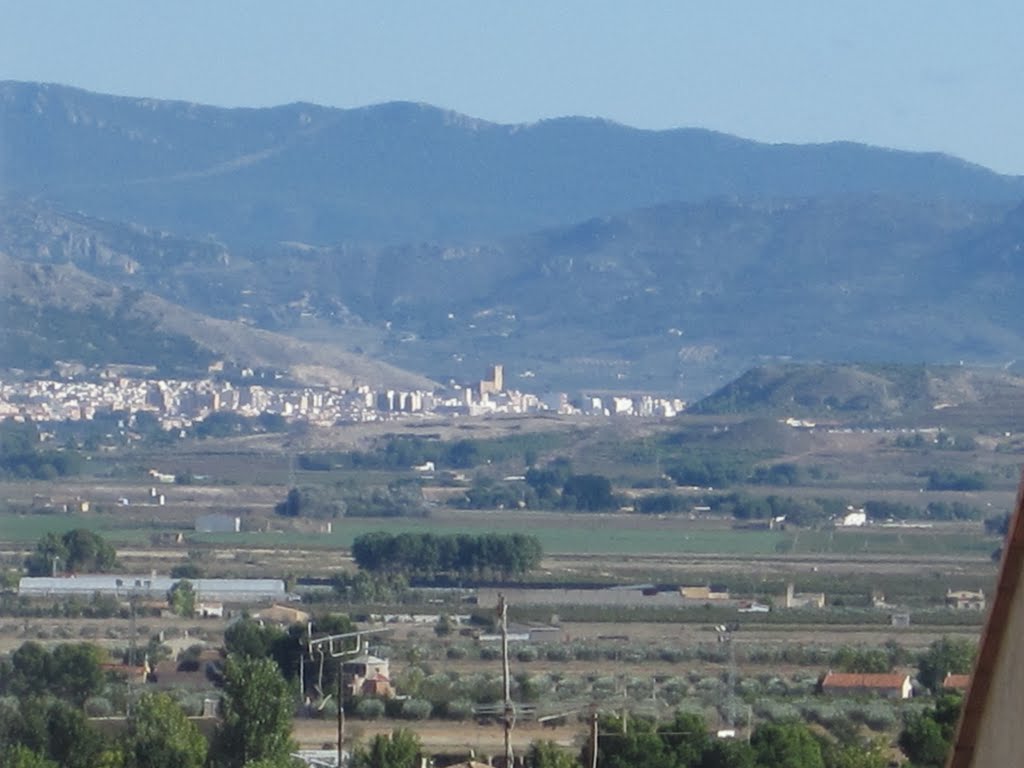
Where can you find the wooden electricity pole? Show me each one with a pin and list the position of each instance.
(335, 646)
(510, 716)
(341, 716)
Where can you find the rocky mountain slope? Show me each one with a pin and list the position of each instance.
(59, 312)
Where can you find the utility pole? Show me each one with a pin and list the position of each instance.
(341, 716)
(132, 655)
(725, 636)
(510, 716)
(593, 738)
(336, 646)
(732, 682)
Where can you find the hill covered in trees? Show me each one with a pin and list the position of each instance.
(408, 172)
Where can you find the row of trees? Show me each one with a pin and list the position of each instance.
(813, 511)
(71, 672)
(881, 510)
(405, 451)
(948, 480)
(397, 499)
(22, 456)
(579, 493)
(722, 468)
(76, 551)
(709, 469)
(684, 742)
(459, 555)
(802, 512)
(250, 639)
(231, 424)
(554, 486)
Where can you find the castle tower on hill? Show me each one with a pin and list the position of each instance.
(497, 376)
(495, 381)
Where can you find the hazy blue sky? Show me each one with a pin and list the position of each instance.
(914, 74)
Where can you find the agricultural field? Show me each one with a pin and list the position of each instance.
(651, 653)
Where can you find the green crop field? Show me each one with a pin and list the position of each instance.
(578, 536)
(30, 528)
(890, 542)
(558, 534)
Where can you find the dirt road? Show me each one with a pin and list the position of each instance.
(439, 736)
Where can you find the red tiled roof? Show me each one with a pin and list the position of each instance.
(956, 682)
(865, 680)
(124, 669)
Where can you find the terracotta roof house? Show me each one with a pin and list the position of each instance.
(954, 682)
(887, 685)
(367, 675)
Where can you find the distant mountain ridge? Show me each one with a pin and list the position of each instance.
(405, 172)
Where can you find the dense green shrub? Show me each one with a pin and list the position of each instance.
(459, 709)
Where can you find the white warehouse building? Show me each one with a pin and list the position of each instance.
(123, 585)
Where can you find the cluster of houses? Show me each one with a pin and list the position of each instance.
(362, 675)
(178, 404)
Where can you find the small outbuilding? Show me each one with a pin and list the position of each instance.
(965, 599)
(852, 518)
(217, 523)
(210, 610)
(367, 675)
(803, 599)
(705, 592)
